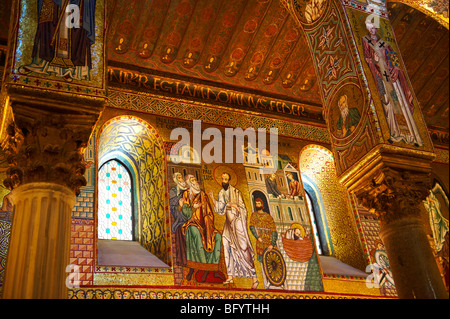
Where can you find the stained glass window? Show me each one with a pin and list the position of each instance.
(115, 217)
(313, 222)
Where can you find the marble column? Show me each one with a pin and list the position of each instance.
(46, 171)
(46, 122)
(395, 196)
(40, 235)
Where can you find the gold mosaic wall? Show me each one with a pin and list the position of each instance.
(141, 142)
(318, 164)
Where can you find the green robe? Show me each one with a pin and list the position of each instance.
(203, 241)
(352, 119)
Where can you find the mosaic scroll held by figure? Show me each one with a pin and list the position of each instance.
(63, 41)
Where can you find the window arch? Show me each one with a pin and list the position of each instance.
(334, 214)
(115, 202)
(137, 145)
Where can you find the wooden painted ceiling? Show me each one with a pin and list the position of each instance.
(238, 44)
(254, 45)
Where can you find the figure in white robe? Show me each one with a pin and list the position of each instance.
(238, 250)
(393, 88)
(439, 224)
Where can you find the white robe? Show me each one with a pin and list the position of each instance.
(238, 250)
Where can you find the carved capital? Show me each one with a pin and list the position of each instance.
(394, 194)
(46, 149)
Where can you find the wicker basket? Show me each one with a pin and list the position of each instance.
(298, 250)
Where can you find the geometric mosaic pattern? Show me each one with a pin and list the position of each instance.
(317, 163)
(82, 249)
(211, 115)
(84, 207)
(5, 233)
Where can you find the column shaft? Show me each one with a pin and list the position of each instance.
(40, 236)
(411, 260)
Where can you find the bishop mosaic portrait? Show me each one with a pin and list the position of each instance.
(392, 85)
(64, 36)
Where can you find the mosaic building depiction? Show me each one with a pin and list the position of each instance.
(258, 149)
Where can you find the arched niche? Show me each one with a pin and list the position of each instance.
(317, 167)
(139, 147)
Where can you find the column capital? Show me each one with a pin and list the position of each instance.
(46, 148)
(394, 194)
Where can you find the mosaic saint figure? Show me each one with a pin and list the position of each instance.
(203, 240)
(263, 228)
(295, 189)
(349, 117)
(439, 224)
(314, 10)
(7, 205)
(384, 275)
(238, 250)
(271, 185)
(175, 194)
(393, 88)
(62, 46)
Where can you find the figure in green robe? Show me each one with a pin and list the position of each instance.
(203, 240)
(349, 118)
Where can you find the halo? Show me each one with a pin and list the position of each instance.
(219, 170)
(299, 226)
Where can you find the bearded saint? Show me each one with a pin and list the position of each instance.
(238, 250)
(349, 117)
(203, 240)
(393, 88)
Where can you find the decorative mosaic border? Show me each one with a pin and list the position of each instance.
(133, 270)
(117, 292)
(366, 7)
(344, 277)
(211, 115)
(54, 85)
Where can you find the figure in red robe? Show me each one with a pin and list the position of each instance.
(393, 88)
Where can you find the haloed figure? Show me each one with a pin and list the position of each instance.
(393, 87)
(349, 117)
(203, 240)
(238, 250)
